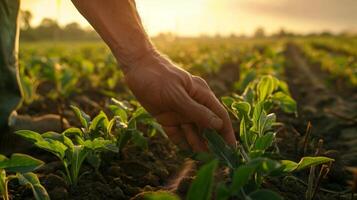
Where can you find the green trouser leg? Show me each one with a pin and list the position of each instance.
(10, 91)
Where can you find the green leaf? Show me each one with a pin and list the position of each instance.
(121, 104)
(99, 122)
(290, 166)
(264, 142)
(139, 140)
(160, 195)
(268, 122)
(124, 138)
(242, 109)
(47, 144)
(20, 163)
(283, 87)
(227, 101)
(75, 133)
(243, 133)
(157, 127)
(265, 194)
(59, 137)
(286, 103)
(266, 86)
(111, 124)
(29, 135)
(82, 116)
(119, 112)
(242, 175)
(261, 121)
(219, 147)
(101, 144)
(94, 159)
(258, 118)
(139, 114)
(52, 135)
(30, 179)
(248, 95)
(267, 166)
(78, 155)
(248, 77)
(2, 157)
(222, 192)
(201, 187)
(53, 146)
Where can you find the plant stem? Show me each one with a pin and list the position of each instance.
(5, 194)
(3, 185)
(69, 177)
(323, 171)
(307, 137)
(244, 153)
(310, 184)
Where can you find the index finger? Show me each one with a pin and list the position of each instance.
(206, 97)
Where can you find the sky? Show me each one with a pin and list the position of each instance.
(210, 17)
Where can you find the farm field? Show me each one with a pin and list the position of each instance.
(293, 105)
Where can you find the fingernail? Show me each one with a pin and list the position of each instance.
(216, 123)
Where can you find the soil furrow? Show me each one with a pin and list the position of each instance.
(333, 118)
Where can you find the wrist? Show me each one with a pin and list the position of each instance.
(145, 59)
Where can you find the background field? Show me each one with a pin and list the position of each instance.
(321, 72)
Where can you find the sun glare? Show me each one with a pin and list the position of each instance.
(196, 17)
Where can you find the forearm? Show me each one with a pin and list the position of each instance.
(119, 25)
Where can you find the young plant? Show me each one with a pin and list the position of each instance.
(22, 166)
(64, 79)
(75, 145)
(128, 121)
(29, 83)
(252, 110)
(72, 155)
(250, 162)
(99, 127)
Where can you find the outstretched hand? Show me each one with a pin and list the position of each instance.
(182, 103)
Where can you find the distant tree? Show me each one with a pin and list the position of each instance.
(217, 36)
(49, 28)
(168, 36)
(49, 23)
(283, 33)
(232, 35)
(25, 19)
(73, 30)
(326, 33)
(259, 33)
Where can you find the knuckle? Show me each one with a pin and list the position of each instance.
(200, 81)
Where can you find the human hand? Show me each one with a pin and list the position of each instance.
(182, 103)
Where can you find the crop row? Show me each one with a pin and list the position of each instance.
(338, 66)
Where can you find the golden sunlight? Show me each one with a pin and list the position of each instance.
(196, 17)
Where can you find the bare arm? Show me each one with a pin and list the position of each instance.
(119, 25)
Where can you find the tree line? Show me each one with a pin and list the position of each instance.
(49, 29)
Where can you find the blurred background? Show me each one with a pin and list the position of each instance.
(43, 19)
(309, 45)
